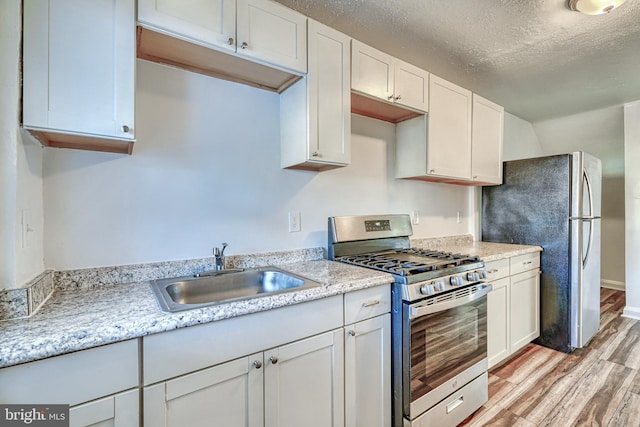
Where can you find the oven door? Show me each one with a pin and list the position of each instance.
(444, 346)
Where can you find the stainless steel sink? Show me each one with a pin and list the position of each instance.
(185, 293)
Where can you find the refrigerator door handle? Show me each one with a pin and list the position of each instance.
(587, 185)
(589, 245)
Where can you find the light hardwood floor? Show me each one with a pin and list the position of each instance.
(598, 385)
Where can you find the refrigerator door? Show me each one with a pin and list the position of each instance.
(585, 247)
(586, 186)
(585, 266)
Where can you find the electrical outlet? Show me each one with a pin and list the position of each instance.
(415, 217)
(27, 228)
(294, 222)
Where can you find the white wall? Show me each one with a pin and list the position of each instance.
(632, 208)
(205, 169)
(520, 139)
(21, 256)
(599, 132)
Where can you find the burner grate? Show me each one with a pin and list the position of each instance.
(419, 261)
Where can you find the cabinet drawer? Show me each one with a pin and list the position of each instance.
(497, 269)
(185, 350)
(72, 378)
(366, 303)
(525, 262)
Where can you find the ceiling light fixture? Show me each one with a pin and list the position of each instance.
(594, 7)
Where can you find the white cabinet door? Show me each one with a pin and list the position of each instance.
(272, 33)
(230, 395)
(498, 319)
(449, 141)
(304, 383)
(411, 86)
(208, 22)
(525, 308)
(379, 75)
(486, 154)
(79, 59)
(329, 95)
(368, 373)
(121, 410)
(372, 71)
(315, 113)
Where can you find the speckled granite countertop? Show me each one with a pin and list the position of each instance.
(79, 319)
(487, 251)
(98, 312)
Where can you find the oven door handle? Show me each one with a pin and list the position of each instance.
(418, 310)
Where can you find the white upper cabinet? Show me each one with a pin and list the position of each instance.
(315, 113)
(79, 73)
(487, 135)
(372, 71)
(411, 86)
(459, 142)
(209, 22)
(256, 42)
(378, 75)
(449, 147)
(272, 33)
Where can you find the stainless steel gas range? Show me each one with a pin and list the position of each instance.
(439, 318)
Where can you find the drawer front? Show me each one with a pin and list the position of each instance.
(185, 350)
(366, 303)
(72, 378)
(497, 269)
(525, 262)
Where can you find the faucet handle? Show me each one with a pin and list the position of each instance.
(217, 252)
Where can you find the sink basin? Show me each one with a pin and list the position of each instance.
(185, 293)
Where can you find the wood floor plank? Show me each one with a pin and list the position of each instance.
(598, 385)
(604, 403)
(628, 413)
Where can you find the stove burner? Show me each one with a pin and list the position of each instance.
(408, 262)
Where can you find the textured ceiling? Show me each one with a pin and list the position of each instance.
(536, 57)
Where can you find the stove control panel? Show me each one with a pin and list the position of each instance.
(416, 291)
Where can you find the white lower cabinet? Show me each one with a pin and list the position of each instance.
(513, 306)
(367, 357)
(525, 308)
(498, 311)
(100, 384)
(120, 410)
(296, 384)
(304, 383)
(368, 373)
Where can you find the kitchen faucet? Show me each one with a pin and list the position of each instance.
(219, 257)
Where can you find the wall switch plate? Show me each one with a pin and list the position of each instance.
(458, 219)
(294, 222)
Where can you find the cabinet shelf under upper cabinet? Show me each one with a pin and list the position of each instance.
(386, 88)
(255, 42)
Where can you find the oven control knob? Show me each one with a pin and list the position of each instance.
(473, 276)
(426, 289)
(439, 286)
(483, 274)
(456, 280)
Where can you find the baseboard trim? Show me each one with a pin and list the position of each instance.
(612, 284)
(631, 312)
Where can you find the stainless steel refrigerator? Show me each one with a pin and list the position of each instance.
(554, 202)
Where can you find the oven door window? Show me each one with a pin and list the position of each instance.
(446, 343)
